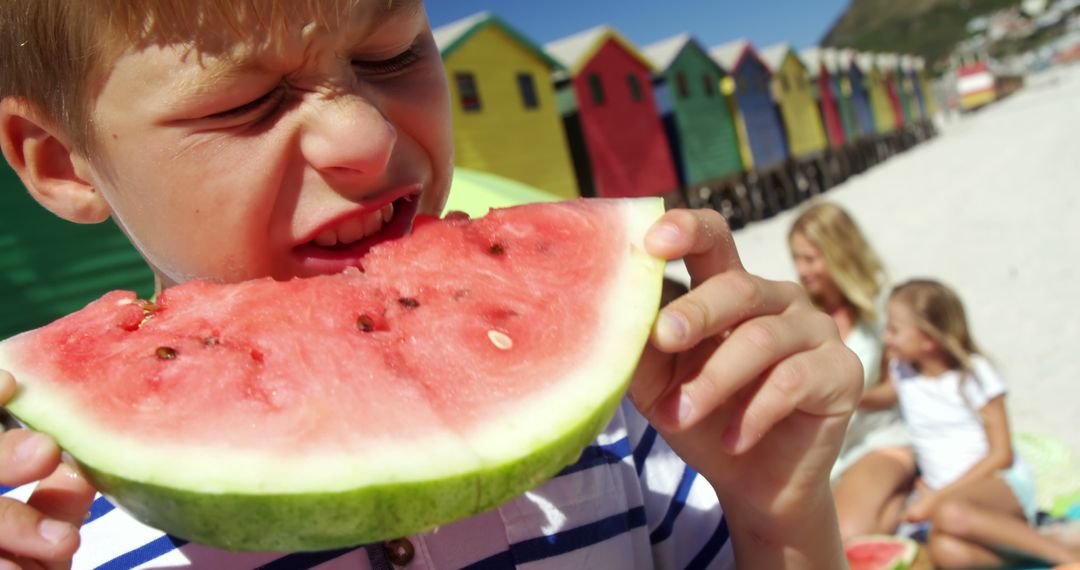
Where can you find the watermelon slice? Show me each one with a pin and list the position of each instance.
(467, 363)
(881, 552)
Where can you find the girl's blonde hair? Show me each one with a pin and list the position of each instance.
(940, 314)
(56, 53)
(849, 259)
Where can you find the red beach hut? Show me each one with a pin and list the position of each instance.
(821, 63)
(616, 137)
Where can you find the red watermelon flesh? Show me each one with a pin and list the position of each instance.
(464, 364)
(881, 553)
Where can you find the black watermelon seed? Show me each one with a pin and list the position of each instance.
(366, 323)
(210, 341)
(409, 302)
(165, 353)
(496, 249)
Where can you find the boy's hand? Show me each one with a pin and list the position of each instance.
(748, 382)
(44, 531)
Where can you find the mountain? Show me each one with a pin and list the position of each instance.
(929, 28)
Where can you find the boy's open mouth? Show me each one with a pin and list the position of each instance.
(342, 244)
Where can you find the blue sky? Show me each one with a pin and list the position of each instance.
(764, 22)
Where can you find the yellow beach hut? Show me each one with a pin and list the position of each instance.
(884, 118)
(793, 91)
(505, 116)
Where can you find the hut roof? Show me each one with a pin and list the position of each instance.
(888, 61)
(663, 53)
(730, 54)
(774, 55)
(816, 57)
(451, 36)
(574, 51)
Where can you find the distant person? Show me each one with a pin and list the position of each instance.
(978, 495)
(845, 278)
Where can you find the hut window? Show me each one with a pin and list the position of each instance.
(680, 85)
(469, 95)
(635, 87)
(596, 89)
(708, 84)
(528, 90)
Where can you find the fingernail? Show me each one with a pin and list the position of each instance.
(730, 440)
(29, 447)
(685, 408)
(671, 327)
(666, 233)
(54, 531)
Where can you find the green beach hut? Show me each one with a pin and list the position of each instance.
(50, 267)
(696, 115)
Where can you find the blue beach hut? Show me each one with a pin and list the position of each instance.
(757, 112)
(855, 79)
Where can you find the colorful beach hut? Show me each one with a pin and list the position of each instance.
(880, 103)
(854, 85)
(834, 107)
(925, 88)
(887, 65)
(506, 120)
(50, 267)
(616, 138)
(896, 77)
(695, 113)
(762, 139)
(794, 95)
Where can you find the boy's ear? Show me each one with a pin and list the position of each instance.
(56, 177)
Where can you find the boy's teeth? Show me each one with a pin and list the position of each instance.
(353, 229)
(356, 228)
(327, 238)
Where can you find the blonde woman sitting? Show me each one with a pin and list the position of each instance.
(845, 278)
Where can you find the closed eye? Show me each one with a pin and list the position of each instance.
(389, 66)
(270, 99)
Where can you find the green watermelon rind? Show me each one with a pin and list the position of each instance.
(901, 562)
(418, 500)
(323, 521)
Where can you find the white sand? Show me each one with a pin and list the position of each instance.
(992, 208)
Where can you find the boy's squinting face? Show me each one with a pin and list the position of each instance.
(289, 158)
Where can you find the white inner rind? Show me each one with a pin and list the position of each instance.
(623, 326)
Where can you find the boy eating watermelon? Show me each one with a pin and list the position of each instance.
(243, 139)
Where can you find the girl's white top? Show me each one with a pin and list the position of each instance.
(942, 415)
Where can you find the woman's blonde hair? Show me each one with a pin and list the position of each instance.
(851, 262)
(940, 314)
(55, 53)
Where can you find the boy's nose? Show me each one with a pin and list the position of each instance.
(348, 135)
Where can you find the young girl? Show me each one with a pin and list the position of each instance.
(976, 493)
(845, 278)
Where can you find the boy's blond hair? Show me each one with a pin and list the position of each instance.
(849, 259)
(55, 53)
(940, 314)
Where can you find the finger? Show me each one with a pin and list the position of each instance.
(9, 561)
(751, 349)
(26, 456)
(701, 237)
(796, 384)
(26, 532)
(7, 386)
(720, 304)
(65, 495)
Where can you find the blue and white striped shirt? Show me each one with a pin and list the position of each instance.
(628, 502)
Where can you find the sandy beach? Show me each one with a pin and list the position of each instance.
(992, 207)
